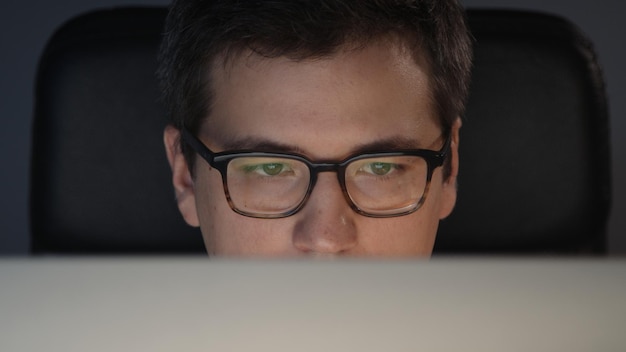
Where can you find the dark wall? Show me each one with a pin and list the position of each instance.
(26, 25)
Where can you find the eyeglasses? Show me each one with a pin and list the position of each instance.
(277, 185)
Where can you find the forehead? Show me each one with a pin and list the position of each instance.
(325, 105)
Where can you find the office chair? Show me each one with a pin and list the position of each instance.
(534, 151)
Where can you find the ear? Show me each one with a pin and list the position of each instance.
(449, 187)
(181, 177)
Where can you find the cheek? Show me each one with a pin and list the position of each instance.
(209, 194)
(236, 235)
(410, 235)
(212, 206)
(228, 233)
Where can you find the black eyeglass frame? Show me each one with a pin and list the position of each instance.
(221, 160)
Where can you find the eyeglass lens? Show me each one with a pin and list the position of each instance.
(378, 186)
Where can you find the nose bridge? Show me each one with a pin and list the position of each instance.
(325, 167)
(338, 169)
(326, 223)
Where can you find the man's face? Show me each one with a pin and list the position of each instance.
(325, 109)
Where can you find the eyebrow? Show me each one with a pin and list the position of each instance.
(393, 143)
(259, 144)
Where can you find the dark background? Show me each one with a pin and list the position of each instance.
(26, 25)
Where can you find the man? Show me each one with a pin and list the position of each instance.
(321, 128)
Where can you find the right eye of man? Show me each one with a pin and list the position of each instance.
(268, 169)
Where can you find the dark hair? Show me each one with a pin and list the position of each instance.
(198, 32)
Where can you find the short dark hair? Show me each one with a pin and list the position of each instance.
(198, 32)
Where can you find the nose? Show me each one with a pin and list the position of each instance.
(326, 224)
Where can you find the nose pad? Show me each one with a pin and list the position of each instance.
(326, 223)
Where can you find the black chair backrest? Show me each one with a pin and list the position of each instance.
(534, 151)
(534, 145)
(100, 179)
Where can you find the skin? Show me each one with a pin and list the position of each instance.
(325, 109)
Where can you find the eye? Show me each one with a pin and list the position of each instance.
(272, 169)
(268, 169)
(379, 168)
